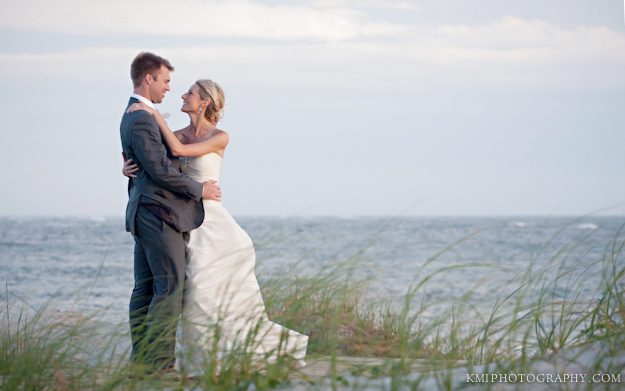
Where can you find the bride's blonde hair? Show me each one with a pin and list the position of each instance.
(211, 90)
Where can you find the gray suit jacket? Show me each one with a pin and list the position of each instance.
(159, 185)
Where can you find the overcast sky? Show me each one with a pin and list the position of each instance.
(429, 107)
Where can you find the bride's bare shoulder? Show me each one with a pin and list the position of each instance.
(182, 135)
(221, 135)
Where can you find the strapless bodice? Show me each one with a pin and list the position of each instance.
(202, 168)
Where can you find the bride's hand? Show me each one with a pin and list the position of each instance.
(141, 106)
(130, 169)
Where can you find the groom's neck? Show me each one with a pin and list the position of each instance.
(143, 92)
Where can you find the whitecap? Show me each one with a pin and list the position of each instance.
(589, 226)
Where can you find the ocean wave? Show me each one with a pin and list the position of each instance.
(589, 226)
(17, 244)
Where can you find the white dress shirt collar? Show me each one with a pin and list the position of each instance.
(144, 100)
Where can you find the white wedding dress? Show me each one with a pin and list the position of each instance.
(223, 308)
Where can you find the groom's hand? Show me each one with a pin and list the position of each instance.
(211, 191)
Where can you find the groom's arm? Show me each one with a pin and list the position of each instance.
(152, 157)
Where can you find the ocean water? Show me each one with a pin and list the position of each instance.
(84, 264)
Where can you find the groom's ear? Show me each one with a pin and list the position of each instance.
(148, 78)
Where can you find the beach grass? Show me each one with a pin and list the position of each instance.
(535, 316)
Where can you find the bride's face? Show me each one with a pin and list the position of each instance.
(191, 100)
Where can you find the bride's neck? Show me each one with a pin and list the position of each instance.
(198, 123)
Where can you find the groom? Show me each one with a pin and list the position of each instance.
(163, 205)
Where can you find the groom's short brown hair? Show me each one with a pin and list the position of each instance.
(145, 63)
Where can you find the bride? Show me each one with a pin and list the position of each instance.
(223, 307)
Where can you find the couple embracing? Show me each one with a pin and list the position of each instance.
(192, 261)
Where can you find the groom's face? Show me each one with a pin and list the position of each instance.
(159, 85)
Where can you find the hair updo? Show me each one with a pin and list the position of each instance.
(211, 90)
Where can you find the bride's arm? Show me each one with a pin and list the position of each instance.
(215, 143)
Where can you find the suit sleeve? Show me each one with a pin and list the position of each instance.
(152, 157)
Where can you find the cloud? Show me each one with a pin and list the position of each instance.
(516, 33)
(307, 45)
(382, 4)
(232, 19)
(322, 21)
